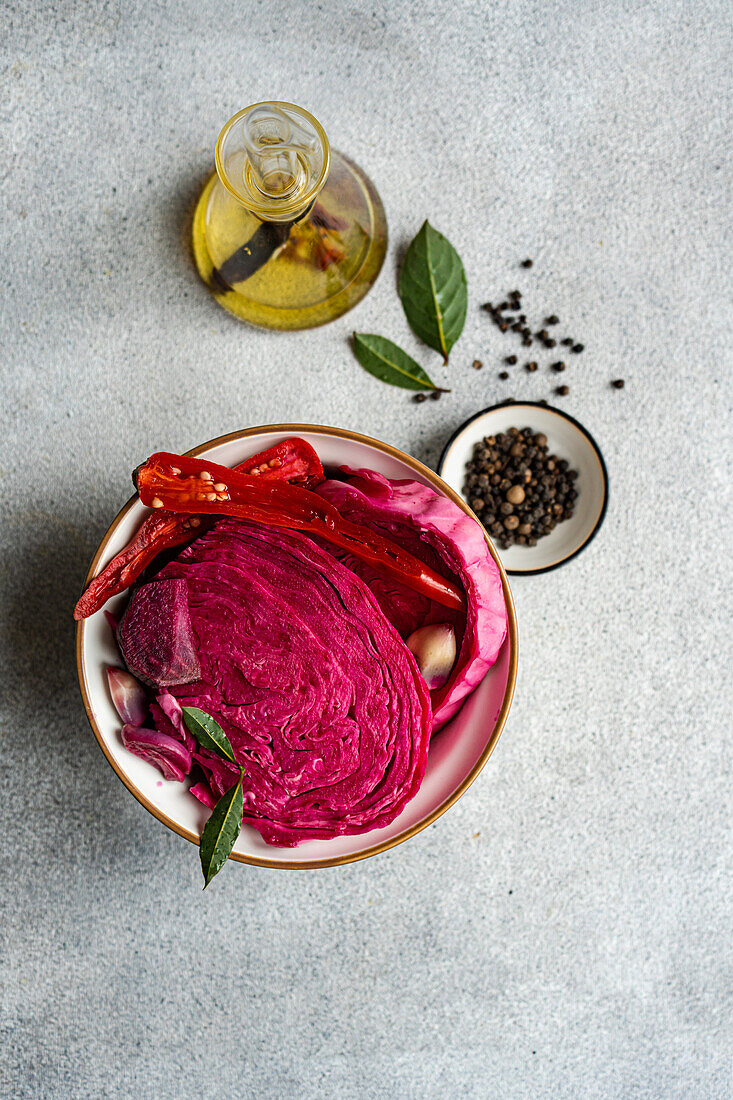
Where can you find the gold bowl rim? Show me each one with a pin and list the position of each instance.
(512, 638)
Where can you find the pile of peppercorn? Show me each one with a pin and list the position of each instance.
(510, 316)
(518, 490)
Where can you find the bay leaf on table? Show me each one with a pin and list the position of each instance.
(388, 362)
(433, 290)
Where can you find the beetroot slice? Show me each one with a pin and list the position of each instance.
(155, 635)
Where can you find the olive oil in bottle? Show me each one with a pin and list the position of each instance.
(287, 233)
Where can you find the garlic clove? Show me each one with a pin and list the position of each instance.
(128, 696)
(434, 649)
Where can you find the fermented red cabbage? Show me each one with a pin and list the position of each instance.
(440, 533)
(320, 698)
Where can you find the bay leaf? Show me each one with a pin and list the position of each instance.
(208, 732)
(221, 831)
(390, 363)
(433, 290)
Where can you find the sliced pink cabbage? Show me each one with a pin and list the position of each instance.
(166, 753)
(436, 530)
(320, 698)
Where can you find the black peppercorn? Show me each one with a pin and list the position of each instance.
(577, 348)
(531, 367)
(526, 263)
(503, 374)
(618, 384)
(419, 398)
(562, 391)
(511, 360)
(558, 367)
(524, 492)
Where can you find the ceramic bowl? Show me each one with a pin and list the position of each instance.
(566, 438)
(457, 753)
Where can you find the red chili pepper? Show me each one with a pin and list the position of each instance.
(157, 532)
(194, 485)
(289, 460)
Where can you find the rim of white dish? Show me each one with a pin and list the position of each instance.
(512, 639)
(594, 448)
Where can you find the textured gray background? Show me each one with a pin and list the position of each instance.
(580, 944)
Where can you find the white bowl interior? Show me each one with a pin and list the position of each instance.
(566, 440)
(454, 752)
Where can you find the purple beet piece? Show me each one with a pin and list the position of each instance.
(155, 635)
(170, 756)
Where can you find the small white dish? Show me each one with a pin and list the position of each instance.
(567, 439)
(457, 753)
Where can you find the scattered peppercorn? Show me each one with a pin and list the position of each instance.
(419, 398)
(618, 384)
(511, 360)
(558, 367)
(531, 367)
(477, 364)
(503, 374)
(562, 391)
(552, 319)
(549, 343)
(577, 348)
(519, 490)
(542, 334)
(435, 395)
(567, 342)
(526, 263)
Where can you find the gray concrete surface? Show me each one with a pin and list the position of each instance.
(565, 931)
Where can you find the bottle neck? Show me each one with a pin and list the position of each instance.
(273, 158)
